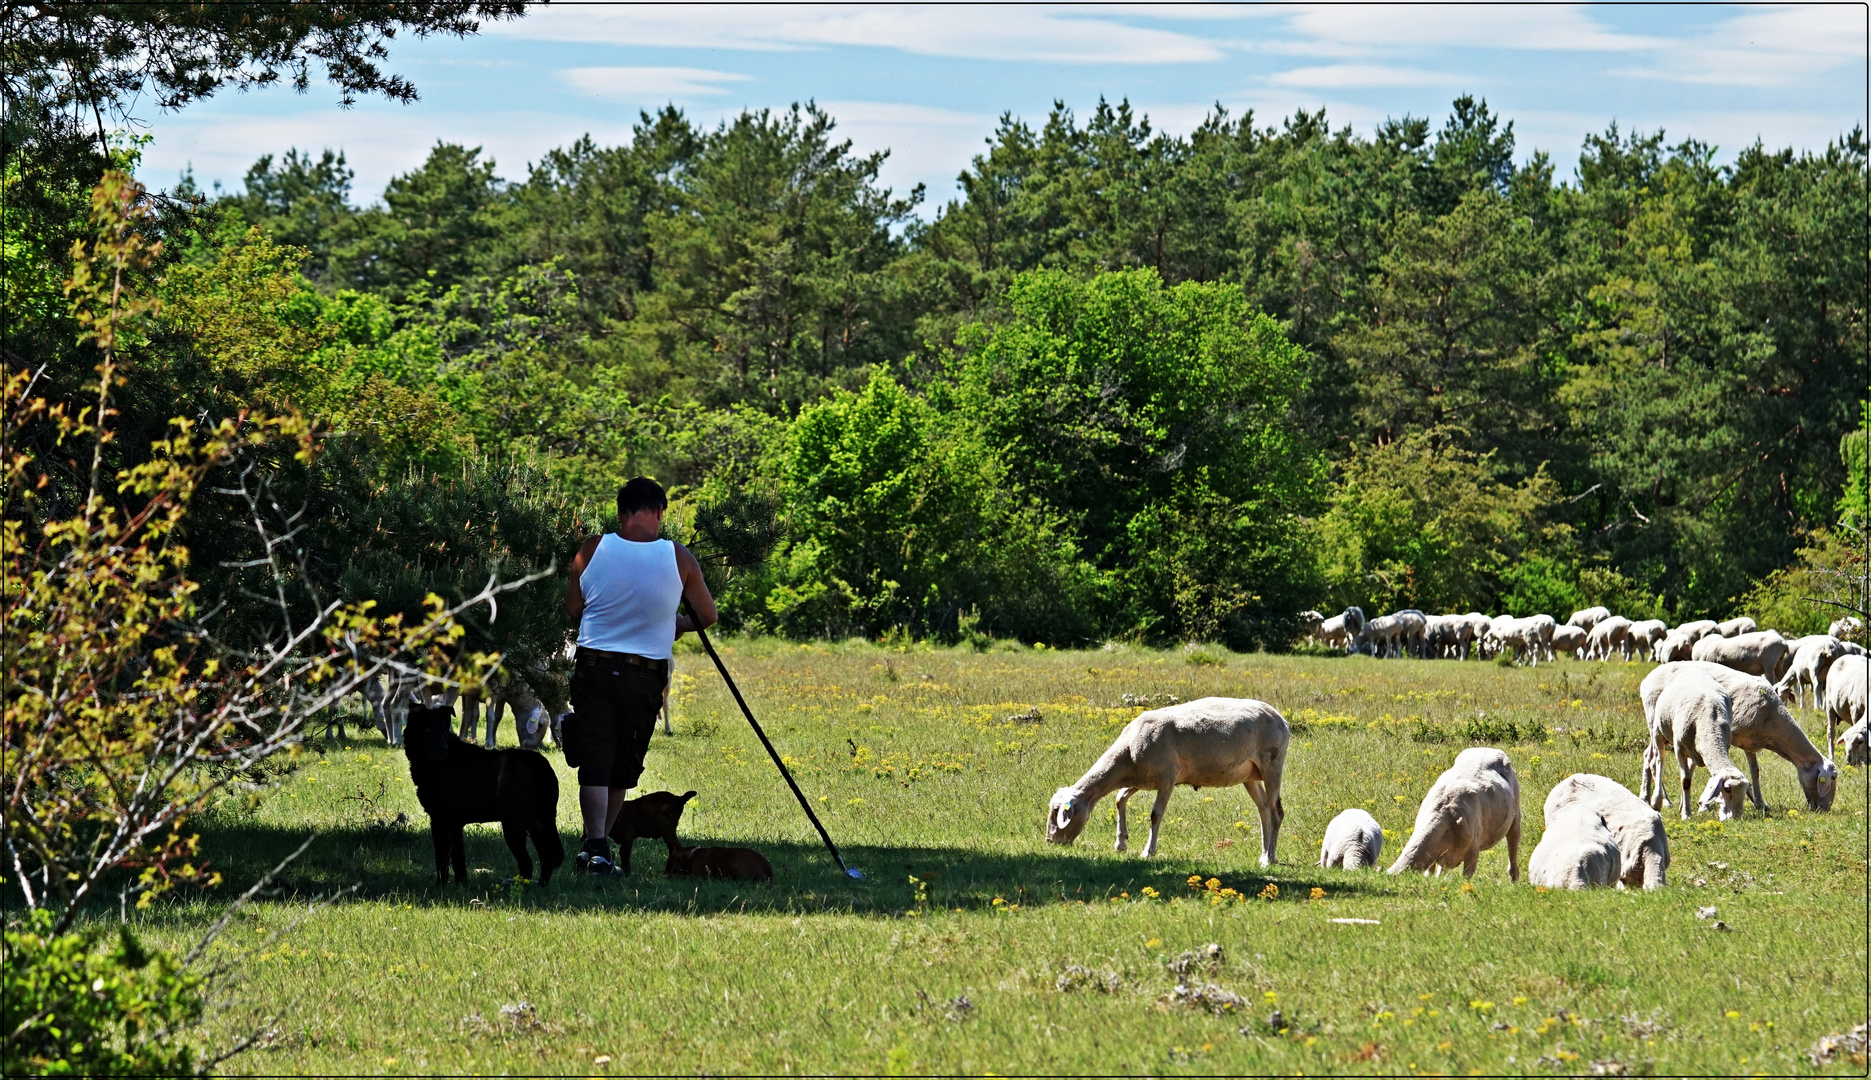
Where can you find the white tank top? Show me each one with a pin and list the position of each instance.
(631, 594)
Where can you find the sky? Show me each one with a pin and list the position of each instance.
(928, 83)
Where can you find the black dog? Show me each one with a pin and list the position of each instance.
(459, 783)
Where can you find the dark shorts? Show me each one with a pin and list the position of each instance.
(614, 706)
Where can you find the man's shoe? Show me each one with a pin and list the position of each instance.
(599, 866)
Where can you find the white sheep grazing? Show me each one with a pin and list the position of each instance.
(1676, 645)
(1380, 635)
(1643, 846)
(1609, 636)
(1589, 618)
(1693, 718)
(1569, 640)
(1310, 620)
(1742, 625)
(1577, 851)
(1470, 808)
(1756, 652)
(1210, 742)
(1332, 632)
(1846, 628)
(1761, 722)
(1412, 624)
(1697, 630)
(1846, 693)
(1812, 659)
(1477, 630)
(1353, 840)
(1857, 743)
(1643, 637)
(1538, 630)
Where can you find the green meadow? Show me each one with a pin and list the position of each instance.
(973, 946)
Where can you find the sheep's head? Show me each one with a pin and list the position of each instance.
(1725, 794)
(1066, 817)
(1820, 781)
(1857, 745)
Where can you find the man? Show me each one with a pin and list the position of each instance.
(624, 591)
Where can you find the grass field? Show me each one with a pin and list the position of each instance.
(1017, 956)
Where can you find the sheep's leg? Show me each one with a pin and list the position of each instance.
(1123, 819)
(1754, 781)
(1513, 850)
(1156, 817)
(470, 716)
(1266, 796)
(1687, 770)
(513, 832)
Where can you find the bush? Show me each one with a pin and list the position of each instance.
(73, 1009)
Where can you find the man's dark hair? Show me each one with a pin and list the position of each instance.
(641, 493)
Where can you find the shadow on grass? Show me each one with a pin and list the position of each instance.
(397, 863)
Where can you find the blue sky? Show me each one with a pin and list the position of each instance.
(929, 82)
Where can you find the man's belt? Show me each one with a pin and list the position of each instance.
(587, 653)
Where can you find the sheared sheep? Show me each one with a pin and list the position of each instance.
(1847, 628)
(1569, 640)
(1589, 618)
(1538, 630)
(1761, 722)
(1693, 718)
(1576, 851)
(1643, 846)
(1643, 637)
(1698, 629)
(1411, 625)
(1676, 645)
(1381, 636)
(1210, 742)
(1610, 635)
(1756, 652)
(1310, 620)
(1353, 840)
(1811, 658)
(1732, 627)
(1846, 694)
(1332, 632)
(1477, 630)
(1471, 807)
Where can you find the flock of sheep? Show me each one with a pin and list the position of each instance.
(1719, 687)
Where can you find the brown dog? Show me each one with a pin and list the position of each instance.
(649, 817)
(739, 863)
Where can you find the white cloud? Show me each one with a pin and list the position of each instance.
(1387, 27)
(1363, 77)
(1781, 46)
(658, 84)
(977, 32)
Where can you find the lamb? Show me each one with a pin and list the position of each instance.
(1469, 809)
(1757, 653)
(1209, 742)
(1643, 846)
(653, 816)
(1693, 718)
(1610, 635)
(1643, 637)
(1569, 640)
(459, 784)
(1811, 658)
(1590, 617)
(743, 864)
(1577, 851)
(1845, 703)
(1761, 722)
(1353, 840)
(1732, 627)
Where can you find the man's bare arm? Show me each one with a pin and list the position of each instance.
(574, 595)
(695, 591)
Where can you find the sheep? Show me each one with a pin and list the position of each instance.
(1675, 645)
(1577, 851)
(1478, 625)
(1209, 742)
(1855, 741)
(1693, 718)
(1494, 638)
(1610, 635)
(1332, 632)
(1380, 636)
(1643, 846)
(1811, 658)
(1311, 620)
(1412, 624)
(1761, 722)
(1442, 636)
(1569, 640)
(1469, 809)
(1732, 627)
(459, 784)
(1846, 695)
(1698, 629)
(1847, 628)
(1643, 636)
(1530, 636)
(1353, 841)
(1589, 618)
(1757, 653)
(1538, 630)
